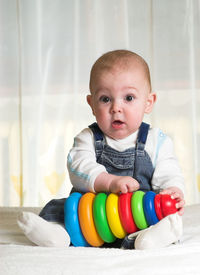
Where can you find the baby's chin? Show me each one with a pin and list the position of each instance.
(117, 131)
(118, 135)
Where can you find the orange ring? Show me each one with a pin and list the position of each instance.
(86, 220)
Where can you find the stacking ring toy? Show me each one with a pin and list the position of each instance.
(149, 209)
(100, 218)
(125, 213)
(113, 216)
(137, 209)
(71, 220)
(94, 219)
(86, 220)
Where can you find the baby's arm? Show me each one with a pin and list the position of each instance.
(87, 175)
(110, 183)
(168, 176)
(176, 193)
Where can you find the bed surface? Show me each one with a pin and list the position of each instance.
(19, 256)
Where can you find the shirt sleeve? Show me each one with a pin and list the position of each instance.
(81, 162)
(167, 171)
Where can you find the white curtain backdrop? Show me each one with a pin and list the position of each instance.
(47, 48)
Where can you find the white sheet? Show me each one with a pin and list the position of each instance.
(19, 256)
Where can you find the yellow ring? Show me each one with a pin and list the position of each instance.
(86, 220)
(113, 216)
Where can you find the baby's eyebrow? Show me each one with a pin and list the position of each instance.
(101, 90)
(130, 88)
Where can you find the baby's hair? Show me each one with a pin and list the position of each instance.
(120, 59)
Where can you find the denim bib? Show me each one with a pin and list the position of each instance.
(133, 162)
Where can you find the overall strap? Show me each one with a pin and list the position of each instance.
(98, 139)
(98, 134)
(142, 137)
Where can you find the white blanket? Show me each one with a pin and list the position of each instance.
(20, 256)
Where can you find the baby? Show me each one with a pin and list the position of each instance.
(119, 153)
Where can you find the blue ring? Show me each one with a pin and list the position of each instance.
(72, 221)
(149, 208)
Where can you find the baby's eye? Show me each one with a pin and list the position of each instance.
(129, 98)
(104, 99)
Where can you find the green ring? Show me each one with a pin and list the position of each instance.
(100, 218)
(137, 209)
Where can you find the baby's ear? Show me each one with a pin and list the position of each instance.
(150, 102)
(89, 101)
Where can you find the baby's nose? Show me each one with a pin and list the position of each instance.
(116, 107)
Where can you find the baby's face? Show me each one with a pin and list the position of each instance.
(119, 100)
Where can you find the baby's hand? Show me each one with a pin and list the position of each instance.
(177, 194)
(106, 182)
(123, 184)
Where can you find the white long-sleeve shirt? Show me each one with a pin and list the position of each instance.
(83, 168)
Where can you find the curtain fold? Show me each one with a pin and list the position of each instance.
(47, 49)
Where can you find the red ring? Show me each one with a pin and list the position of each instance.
(157, 204)
(168, 205)
(125, 213)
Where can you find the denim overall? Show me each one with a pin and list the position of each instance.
(133, 162)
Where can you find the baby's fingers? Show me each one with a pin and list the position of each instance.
(124, 189)
(180, 206)
(181, 211)
(133, 187)
(176, 195)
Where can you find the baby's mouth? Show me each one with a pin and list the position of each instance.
(117, 124)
